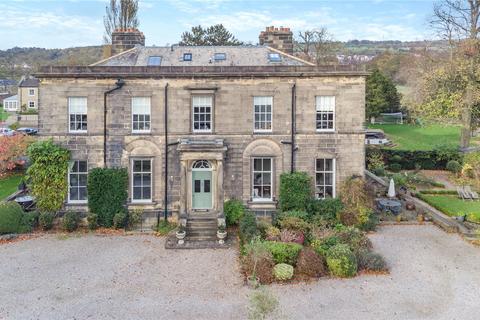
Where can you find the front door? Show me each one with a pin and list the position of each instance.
(201, 189)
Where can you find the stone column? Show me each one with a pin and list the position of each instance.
(220, 191)
(183, 188)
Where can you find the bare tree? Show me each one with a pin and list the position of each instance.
(317, 45)
(458, 21)
(120, 14)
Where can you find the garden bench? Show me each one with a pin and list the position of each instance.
(462, 193)
(473, 194)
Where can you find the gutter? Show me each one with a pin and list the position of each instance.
(293, 129)
(118, 85)
(165, 211)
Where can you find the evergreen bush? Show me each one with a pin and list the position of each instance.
(454, 166)
(70, 221)
(45, 220)
(120, 220)
(107, 193)
(248, 227)
(283, 271)
(341, 261)
(11, 214)
(283, 252)
(234, 211)
(92, 221)
(295, 191)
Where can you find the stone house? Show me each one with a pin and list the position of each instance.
(28, 94)
(196, 126)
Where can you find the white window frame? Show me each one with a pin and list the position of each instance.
(253, 171)
(149, 108)
(204, 113)
(141, 172)
(318, 102)
(70, 113)
(332, 172)
(30, 90)
(260, 113)
(29, 104)
(78, 174)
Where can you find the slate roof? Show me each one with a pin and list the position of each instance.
(9, 97)
(202, 56)
(29, 82)
(7, 82)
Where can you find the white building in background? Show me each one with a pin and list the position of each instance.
(10, 103)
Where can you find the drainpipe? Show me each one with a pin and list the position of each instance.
(293, 129)
(165, 201)
(118, 85)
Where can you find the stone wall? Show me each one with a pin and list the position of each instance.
(233, 122)
(278, 38)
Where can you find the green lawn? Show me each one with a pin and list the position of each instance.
(453, 206)
(3, 115)
(9, 185)
(411, 137)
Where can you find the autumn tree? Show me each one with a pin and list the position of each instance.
(12, 151)
(381, 95)
(318, 46)
(216, 35)
(458, 21)
(120, 14)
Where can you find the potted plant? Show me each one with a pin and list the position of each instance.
(221, 234)
(180, 234)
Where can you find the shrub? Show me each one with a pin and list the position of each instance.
(395, 167)
(355, 239)
(262, 227)
(379, 172)
(328, 209)
(164, 227)
(45, 220)
(29, 221)
(135, 217)
(375, 161)
(48, 174)
(120, 220)
(293, 223)
(234, 211)
(272, 233)
(70, 221)
(321, 246)
(12, 148)
(310, 264)
(293, 213)
(283, 271)
(341, 261)
(262, 304)
(92, 221)
(472, 165)
(10, 217)
(248, 227)
(371, 261)
(295, 191)
(283, 252)
(396, 158)
(356, 202)
(454, 166)
(292, 236)
(107, 193)
(258, 261)
(370, 224)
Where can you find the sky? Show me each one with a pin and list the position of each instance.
(70, 23)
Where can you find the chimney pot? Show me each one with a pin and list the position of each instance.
(278, 38)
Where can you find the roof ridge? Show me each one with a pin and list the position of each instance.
(111, 57)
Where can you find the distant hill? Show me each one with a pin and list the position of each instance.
(16, 62)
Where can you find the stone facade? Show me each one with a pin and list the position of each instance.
(126, 39)
(231, 144)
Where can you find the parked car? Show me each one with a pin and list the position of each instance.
(6, 132)
(28, 131)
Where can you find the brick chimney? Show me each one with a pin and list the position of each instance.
(124, 39)
(278, 38)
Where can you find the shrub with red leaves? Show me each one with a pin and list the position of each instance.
(287, 235)
(310, 264)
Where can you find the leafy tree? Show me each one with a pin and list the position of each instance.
(48, 174)
(458, 21)
(381, 95)
(216, 35)
(120, 14)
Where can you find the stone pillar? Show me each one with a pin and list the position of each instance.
(220, 190)
(183, 188)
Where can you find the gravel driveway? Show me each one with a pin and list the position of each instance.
(434, 275)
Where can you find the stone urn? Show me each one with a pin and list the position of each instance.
(221, 235)
(180, 235)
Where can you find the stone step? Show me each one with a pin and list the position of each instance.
(202, 217)
(201, 238)
(202, 224)
(212, 232)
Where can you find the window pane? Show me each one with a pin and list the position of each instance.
(267, 164)
(197, 184)
(267, 179)
(82, 193)
(82, 166)
(147, 193)
(137, 179)
(267, 192)
(73, 193)
(137, 193)
(328, 165)
(83, 180)
(257, 179)
(137, 166)
(206, 186)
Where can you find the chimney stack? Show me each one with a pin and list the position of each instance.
(278, 38)
(124, 39)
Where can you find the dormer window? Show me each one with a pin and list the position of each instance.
(220, 56)
(274, 57)
(187, 57)
(154, 60)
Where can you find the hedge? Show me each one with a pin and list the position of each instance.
(107, 193)
(295, 191)
(409, 160)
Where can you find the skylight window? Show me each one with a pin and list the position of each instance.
(154, 60)
(187, 57)
(220, 56)
(274, 57)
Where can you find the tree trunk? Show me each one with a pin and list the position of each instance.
(466, 131)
